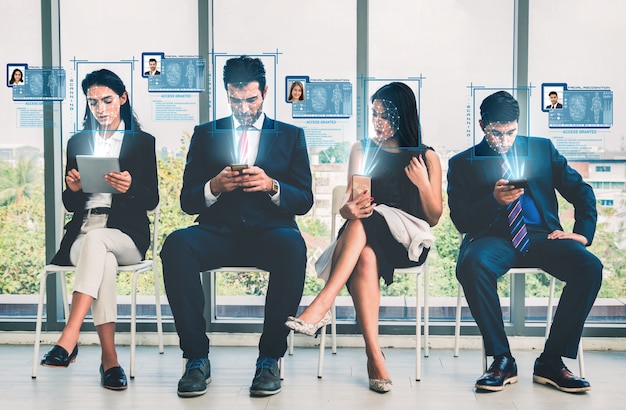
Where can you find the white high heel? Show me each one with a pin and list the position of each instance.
(300, 326)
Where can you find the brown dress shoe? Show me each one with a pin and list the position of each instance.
(502, 371)
(555, 373)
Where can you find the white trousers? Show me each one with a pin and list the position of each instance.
(96, 253)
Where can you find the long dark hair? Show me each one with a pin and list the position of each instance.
(409, 129)
(109, 79)
(12, 81)
(293, 85)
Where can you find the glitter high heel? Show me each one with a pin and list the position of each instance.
(300, 326)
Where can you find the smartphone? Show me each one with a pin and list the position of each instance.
(238, 167)
(519, 183)
(361, 183)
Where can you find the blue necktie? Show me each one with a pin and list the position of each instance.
(517, 226)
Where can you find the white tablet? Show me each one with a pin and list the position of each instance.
(92, 171)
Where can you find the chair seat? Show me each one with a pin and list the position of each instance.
(144, 264)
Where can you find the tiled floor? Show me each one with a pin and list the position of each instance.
(447, 382)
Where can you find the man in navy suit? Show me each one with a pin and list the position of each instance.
(245, 218)
(507, 226)
(554, 101)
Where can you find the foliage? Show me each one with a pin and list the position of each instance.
(335, 154)
(21, 227)
(22, 238)
(19, 181)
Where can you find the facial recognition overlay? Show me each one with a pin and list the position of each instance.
(77, 100)
(324, 99)
(517, 159)
(179, 74)
(384, 109)
(41, 84)
(151, 63)
(219, 102)
(583, 107)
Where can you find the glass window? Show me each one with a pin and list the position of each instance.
(560, 38)
(22, 224)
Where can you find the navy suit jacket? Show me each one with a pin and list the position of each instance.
(473, 173)
(282, 155)
(128, 210)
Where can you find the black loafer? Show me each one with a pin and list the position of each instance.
(502, 371)
(58, 357)
(114, 378)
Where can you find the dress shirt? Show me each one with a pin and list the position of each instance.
(254, 138)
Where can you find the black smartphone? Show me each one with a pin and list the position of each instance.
(519, 183)
(238, 167)
(361, 183)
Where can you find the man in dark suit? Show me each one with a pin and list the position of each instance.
(486, 208)
(152, 63)
(554, 101)
(245, 218)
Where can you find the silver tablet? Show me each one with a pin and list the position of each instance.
(92, 171)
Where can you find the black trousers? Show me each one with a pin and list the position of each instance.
(482, 261)
(187, 252)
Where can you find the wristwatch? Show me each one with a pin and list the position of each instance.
(274, 189)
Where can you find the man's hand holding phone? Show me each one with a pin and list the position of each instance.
(518, 183)
(229, 179)
(507, 191)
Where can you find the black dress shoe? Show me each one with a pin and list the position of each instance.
(555, 373)
(58, 357)
(502, 371)
(114, 378)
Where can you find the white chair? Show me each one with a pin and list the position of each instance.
(337, 201)
(146, 265)
(241, 269)
(515, 271)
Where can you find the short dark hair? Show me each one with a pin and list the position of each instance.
(553, 93)
(499, 107)
(242, 70)
(151, 60)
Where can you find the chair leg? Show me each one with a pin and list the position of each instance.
(418, 333)
(333, 328)
(133, 324)
(281, 368)
(484, 356)
(581, 360)
(320, 359)
(157, 304)
(457, 324)
(426, 312)
(550, 306)
(38, 324)
(290, 342)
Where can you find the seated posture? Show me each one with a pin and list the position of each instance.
(406, 183)
(106, 229)
(246, 217)
(507, 224)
